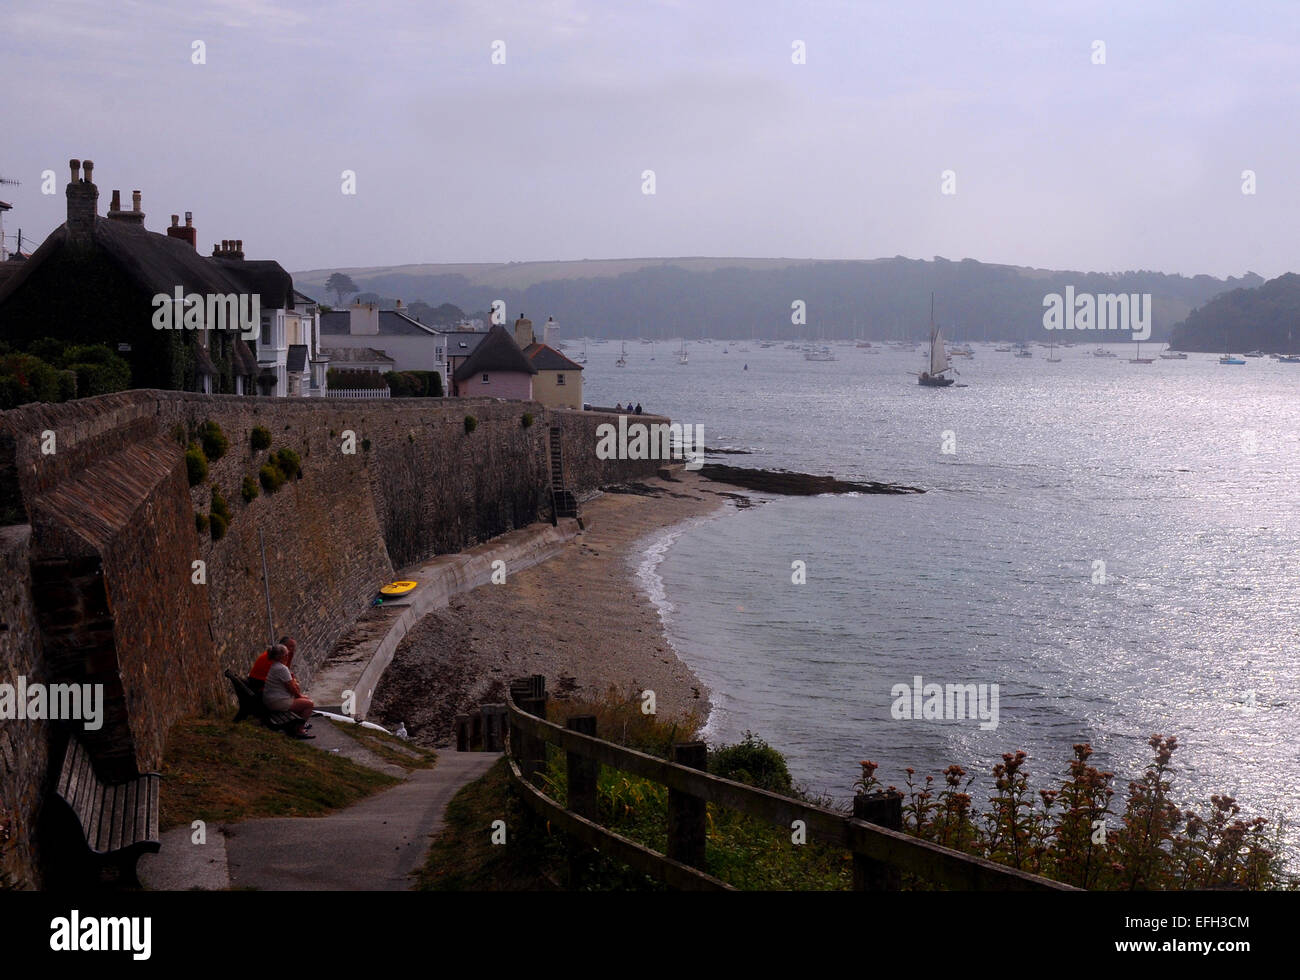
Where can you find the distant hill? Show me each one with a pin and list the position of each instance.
(1266, 318)
(743, 297)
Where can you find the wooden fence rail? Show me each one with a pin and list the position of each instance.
(880, 853)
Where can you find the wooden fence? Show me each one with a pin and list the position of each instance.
(873, 834)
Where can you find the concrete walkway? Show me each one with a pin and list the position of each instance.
(372, 845)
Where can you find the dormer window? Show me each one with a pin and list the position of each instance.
(485, 378)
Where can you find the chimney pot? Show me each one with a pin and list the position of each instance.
(75, 167)
(117, 202)
(86, 167)
(189, 219)
(135, 200)
(239, 244)
(176, 220)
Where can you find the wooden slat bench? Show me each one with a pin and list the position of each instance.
(251, 705)
(118, 822)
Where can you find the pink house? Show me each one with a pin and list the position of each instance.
(496, 369)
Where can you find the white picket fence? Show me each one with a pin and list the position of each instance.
(357, 393)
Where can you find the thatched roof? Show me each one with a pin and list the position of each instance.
(497, 352)
(159, 263)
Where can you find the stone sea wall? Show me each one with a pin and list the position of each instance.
(115, 584)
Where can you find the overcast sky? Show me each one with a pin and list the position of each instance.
(1059, 162)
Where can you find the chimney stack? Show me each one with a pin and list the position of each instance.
(83, 200)
(132, 217)
(523, 331)
(188, 234)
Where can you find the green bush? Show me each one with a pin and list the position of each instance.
(219, 505)
(200, 522)
(249, 490)
(365, 445)
(271, 478)
(527, 419)
(288, 462)
(29, 379)
(214, 440)
(178, 433)
(219, 525)
(196, 464)
(471, 423)
(261, 438)
(753, 762)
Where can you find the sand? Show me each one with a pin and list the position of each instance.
(579, 618)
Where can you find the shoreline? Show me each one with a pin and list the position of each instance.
(584, 618)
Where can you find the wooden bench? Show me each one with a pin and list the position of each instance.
(251, 705)
(118, 822)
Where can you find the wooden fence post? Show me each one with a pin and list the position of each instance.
(531, 754)
(461, 724)
(687, 815)
(885, 810)
(583, 775)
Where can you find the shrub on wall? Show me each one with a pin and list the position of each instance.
(261, 438)
(471, 423)
(219, 525)
(200, 522)
(527, 419)
(249, 490)
(196, 464)
(288, 462)
(219, 505)
(271, 478)
(214, 440)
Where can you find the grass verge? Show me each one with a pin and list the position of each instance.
(217, 770)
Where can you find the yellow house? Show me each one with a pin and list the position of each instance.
(558, 383)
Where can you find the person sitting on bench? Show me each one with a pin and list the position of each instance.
(257, 675)
(282, 692)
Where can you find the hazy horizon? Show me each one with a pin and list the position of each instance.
(1059, 162)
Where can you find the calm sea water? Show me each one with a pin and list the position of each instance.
(1180, 476)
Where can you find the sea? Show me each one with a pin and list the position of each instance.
(1114, 545)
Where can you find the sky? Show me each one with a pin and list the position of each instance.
(1062, 154)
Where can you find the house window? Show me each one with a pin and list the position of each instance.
(559, 379)
(485, 380)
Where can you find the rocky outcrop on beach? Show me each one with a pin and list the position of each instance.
(795, 484)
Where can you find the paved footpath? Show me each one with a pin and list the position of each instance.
(373, 845)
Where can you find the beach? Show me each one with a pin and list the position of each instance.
(582, 618)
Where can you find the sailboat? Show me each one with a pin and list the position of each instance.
(1227, 357)
(938, 358)
(681, 356)
(1140, 359)
(622, 358)
(1051, 354)
(583, 358)
(1172, 355)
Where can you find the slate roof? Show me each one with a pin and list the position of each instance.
(297, 358)
(546, 358)
(497, 352)
(355, 355)
(462, 343)
(392, 323)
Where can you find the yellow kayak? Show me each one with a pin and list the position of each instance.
(398, 588)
